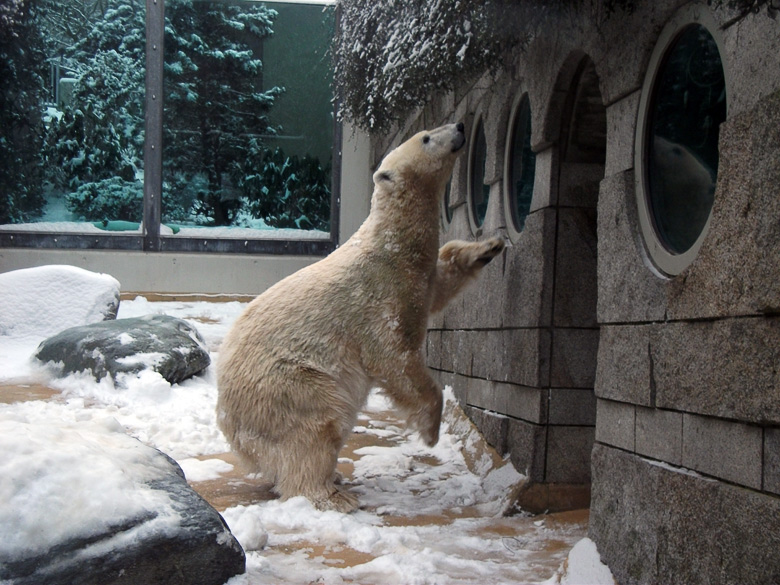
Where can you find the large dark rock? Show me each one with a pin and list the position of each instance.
(165, 344)
(92, 506)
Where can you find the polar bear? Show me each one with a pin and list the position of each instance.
(298, 364)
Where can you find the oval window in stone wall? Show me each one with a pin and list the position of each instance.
(479, 193)
(520, 167)
(684, 105)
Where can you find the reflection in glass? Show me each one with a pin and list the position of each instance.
(688, 106)
(522, 166)
(480, 192)
(71, 115)
(249, 128)
(446, 203)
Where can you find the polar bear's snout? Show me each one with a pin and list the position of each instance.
(460, 137)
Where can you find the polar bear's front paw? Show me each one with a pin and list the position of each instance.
(489, 250)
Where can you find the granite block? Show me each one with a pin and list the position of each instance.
(574, 355)
(624, 368)
(615, 424)
(725, 368)
(575, 269)
(572, 406)
(659, 434)
(725, 449)
(679, 527)
(772, 460)
(526, 445)
(568, 454)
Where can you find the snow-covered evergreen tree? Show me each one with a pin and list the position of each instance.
(22, 98)
(286, 192)
(95, 149)
(215, 100)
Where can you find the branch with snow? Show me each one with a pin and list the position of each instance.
(390, 56)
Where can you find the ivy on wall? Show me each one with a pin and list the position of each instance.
(390, 56)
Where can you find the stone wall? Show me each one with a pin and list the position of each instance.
(581, 363)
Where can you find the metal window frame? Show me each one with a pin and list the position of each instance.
(151, 240)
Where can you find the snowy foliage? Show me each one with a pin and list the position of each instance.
(95, 149)
(287, 192)
(215, 102)
(22, 70)
(389, 56)
(109, 199)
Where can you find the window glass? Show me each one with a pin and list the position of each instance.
(522, 166)
(249, 125)
(478, 190)
(446, 205)
(71, 115)
(688, 104)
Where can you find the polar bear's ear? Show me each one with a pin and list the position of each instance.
(381, 176)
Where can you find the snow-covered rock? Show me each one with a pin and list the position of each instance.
(85, 503)
(170, 346)
(42, 301)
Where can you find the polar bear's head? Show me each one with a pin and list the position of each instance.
(422, 163)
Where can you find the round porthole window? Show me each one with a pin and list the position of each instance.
(520, 167)
(479, 193)
(684, 105)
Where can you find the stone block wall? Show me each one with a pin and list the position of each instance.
(688, 397)
(688, 394)
(574, 357)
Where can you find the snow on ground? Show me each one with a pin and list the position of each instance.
(40, 459)
(291, 541)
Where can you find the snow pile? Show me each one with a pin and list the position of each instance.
(583, 567)
(40, 302)
(61, 482)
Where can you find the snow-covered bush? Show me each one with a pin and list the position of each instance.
(109, 199)
(22, 94)
(286, 192)
(391, 55)
(100, 135)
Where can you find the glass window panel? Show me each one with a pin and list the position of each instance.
(446, 205)
(71, 133)
(248, 119)
(688, 106)
(480, 192)
(522, 166)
